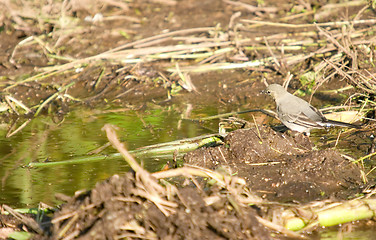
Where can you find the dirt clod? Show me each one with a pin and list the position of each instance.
(280, 167)
(114, 209)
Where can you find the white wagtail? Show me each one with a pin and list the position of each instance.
(297, 114)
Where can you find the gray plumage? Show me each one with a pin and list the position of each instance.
(297, 114)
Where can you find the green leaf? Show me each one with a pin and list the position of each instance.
(20, 235)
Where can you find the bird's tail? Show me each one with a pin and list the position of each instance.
(330, 123)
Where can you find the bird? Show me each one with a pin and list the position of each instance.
(297, 114)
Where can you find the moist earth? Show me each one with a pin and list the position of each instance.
(281, 167)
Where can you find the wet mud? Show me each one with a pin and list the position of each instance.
(116, 209)
(280, 167)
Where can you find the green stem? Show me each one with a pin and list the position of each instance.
(181, 146)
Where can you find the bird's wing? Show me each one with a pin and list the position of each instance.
(319, 114)
(306, 119)
(294, 110)
(302, 120)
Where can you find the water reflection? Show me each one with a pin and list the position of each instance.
(80, 132)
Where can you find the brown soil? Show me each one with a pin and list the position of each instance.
(116, 208)
(280, 167)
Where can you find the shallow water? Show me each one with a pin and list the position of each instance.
(80, 132)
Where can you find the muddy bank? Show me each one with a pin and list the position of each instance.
(118, 208)
(281, 167)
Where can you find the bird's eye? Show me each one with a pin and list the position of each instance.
(268, 91)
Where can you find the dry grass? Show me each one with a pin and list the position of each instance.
(338, 50)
